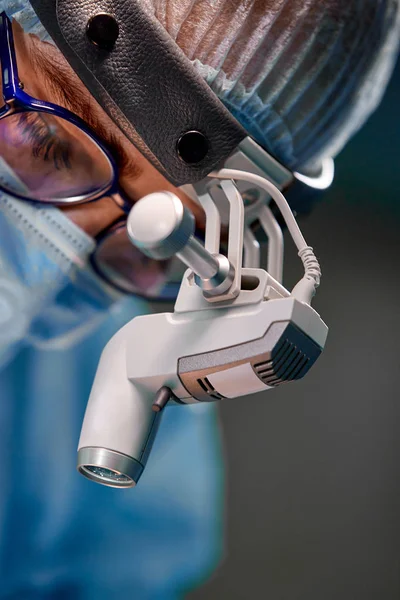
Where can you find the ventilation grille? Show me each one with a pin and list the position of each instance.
(288, 363)
(209, 389)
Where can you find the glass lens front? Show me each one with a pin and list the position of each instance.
(125, 266)
(46, 158)
(107, 475)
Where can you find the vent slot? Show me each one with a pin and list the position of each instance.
(209, 389)
(283, 348)
(264, 366)
(283, 369)
(303, 369)
(292, 366)
(287, 363)
(299, 368)
(202, 385)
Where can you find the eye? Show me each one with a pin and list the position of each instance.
(53, 158)
(47, 139)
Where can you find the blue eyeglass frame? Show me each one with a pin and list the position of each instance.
(18, 101)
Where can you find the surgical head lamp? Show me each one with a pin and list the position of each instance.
(235, 329)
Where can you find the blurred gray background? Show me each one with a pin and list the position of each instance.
(313, 468)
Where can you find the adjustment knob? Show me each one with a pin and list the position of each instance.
(160, 225)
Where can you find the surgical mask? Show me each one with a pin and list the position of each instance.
(47, 290)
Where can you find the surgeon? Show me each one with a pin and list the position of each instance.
(301, 77)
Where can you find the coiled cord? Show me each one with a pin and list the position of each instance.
(311, 265)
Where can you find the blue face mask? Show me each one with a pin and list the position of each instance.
(47, 291)
(47, 288)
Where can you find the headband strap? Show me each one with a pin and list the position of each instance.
(145, 83)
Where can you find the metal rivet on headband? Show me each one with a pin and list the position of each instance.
(103, 30)
(192, 147)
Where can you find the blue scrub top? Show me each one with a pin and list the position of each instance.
(64, 537)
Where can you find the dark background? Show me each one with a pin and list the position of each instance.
(313, 477)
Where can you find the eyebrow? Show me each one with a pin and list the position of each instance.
(60, 84)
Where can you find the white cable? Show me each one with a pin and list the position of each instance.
(274, 193)
(305, 289)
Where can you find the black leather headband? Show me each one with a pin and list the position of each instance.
(145, 83)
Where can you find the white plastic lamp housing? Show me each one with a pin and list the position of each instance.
(256, 336)
(202, 355)
(119, 425)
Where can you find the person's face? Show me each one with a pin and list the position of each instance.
(47, 76)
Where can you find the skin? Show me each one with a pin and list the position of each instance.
(137, 179)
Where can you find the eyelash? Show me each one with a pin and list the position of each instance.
(45, 144)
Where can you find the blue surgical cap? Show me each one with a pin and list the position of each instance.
(22, 11)
(302, 76)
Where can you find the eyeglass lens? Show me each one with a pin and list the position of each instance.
(46, 158)
(51, 159)
(123, 264)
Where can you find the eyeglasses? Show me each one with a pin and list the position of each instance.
(50, 156)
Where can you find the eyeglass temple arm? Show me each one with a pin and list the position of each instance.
(8, 59)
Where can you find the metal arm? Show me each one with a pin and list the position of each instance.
(162, 227)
